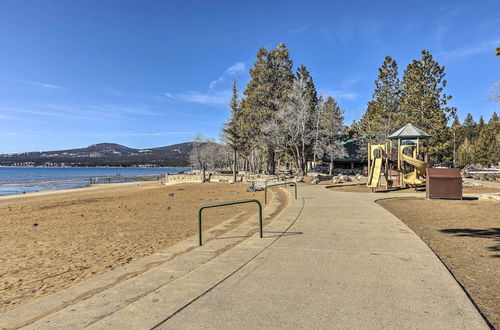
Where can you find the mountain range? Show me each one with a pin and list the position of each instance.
(103, 154)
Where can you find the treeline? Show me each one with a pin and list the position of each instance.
(476, 143)
(281, 118)
(419, 98)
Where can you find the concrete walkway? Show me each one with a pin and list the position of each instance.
(331, 260)
(347, 263)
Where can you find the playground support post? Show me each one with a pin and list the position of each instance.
(200, 239)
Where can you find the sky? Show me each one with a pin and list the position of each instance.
(154, 73)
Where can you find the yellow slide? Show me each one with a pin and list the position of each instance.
(412, 178)
(375, 173)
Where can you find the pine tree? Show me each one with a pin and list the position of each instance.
(465, 154)
(480, 125)
(382, 115)
(487, 145)
(457, 141)
(423, 103)
(232, 129)
(469, 128)
(271, 80)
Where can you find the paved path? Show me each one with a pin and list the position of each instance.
(347, 263)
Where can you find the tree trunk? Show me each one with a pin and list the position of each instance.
(304, 160)
(203, 176)
(331, 166)
(235, 160)
(271, 167)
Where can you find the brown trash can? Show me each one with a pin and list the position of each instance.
(443, 183)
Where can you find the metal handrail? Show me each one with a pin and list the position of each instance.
(279, 184)
(276, 178)
(200, 240)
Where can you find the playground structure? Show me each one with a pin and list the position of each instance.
(399, 163)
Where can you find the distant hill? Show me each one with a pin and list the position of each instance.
(103, 154)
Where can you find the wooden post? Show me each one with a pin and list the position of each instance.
(399, 164)
(369, 158)
(386, 165)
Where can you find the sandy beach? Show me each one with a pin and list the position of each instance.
(51, 240)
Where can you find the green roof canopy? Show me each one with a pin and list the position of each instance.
(409, 132)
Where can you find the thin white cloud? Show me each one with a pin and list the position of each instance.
(236, 68)
(73, 112)
(345, 92)
(38, 84)
(348, 83)
(471, 50)
(301, 29)
(156, 134)
(2, 116)
(214, 83)
(44, 85)
(343, 32)
(233, 70)
(339, 94)
(211, 98)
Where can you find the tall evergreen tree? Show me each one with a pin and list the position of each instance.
(457, 140)
(232, 128)
(270, 83)
(487, 145)
(469, 128)
(423, 103)
(382, 115)
(465, 154)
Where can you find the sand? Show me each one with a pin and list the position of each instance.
(52, 240)
(466, 236)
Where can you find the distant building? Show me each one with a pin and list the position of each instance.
(356, 148)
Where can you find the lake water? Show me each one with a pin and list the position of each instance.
(18, 180)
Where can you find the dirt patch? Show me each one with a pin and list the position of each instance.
(49, 242)
(466, 236)
(365, 189)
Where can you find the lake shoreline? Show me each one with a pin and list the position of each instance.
(25, 180)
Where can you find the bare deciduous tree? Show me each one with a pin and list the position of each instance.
(331, 125)
(294, 117)
(335, 150)
(207, 154)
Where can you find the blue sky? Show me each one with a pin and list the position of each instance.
(153, 73)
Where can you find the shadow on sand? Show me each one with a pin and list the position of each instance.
(491, 233)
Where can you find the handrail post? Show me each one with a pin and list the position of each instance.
(199, 226)
(260, 219)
